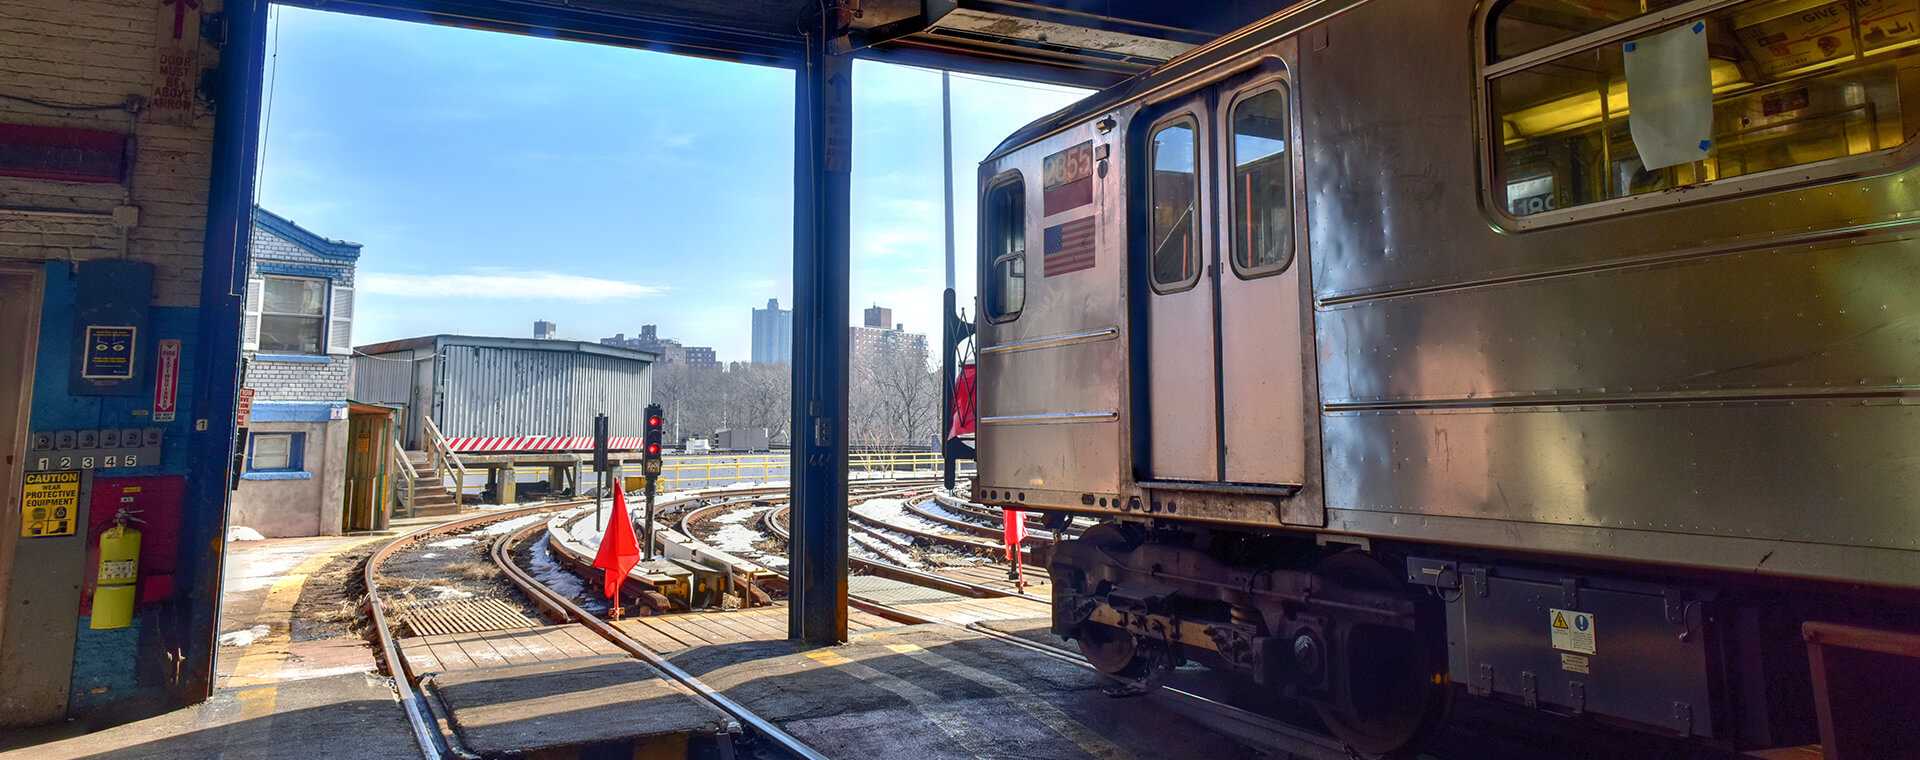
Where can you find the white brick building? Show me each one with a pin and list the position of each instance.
(297, 339)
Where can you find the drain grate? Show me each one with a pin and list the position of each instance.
(428, 618)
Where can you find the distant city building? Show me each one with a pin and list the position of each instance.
(866, 343)
(773, 334)
(702, 357)
(545, 330)
(669, 350)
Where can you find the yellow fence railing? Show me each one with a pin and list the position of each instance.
(690, 471)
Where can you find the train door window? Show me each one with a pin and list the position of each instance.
(1789, 83)
(1004, 248)
(1174, 196)
(1262, 211)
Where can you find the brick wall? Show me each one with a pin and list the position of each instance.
(310, 380)
(301, 381)
(272, 249)
(99, 52)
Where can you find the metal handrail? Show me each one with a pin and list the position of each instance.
(445, 463)
(407, 475)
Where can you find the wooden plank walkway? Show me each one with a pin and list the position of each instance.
(965, 611)
(453, 652)
(995, 576)
(672, 633)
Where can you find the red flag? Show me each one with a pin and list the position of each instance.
(1013, 527)
(963, 419)
(619, 552)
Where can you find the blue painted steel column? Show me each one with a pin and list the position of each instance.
(817, 555)
(193, 613)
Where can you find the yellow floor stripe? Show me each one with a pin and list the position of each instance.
(260, 661)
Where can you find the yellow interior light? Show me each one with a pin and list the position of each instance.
(1583, 109)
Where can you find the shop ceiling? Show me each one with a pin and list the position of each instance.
(1090, 43)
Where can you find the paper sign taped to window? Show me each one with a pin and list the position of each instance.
(1670, 92)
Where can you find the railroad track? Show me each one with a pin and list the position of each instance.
(692, 509)
(1296, 740)
(427, 733)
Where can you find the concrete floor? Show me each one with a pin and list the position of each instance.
(909, 693)
(275, 697)
(931, 692)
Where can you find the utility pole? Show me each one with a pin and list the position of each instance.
(946, 163)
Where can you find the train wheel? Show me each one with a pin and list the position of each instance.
(1113, 651)
(1393, 696)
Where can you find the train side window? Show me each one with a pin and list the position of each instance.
(1262, 210)
(1790, 83)
(1174, 196)
(1004, 247)
(1523, 26)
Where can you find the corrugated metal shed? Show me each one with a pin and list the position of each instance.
(480, 386)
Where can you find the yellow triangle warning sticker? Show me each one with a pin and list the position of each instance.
(1559, 620)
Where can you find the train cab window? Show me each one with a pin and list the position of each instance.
(1004, 248)
(1174, 195)
(1771, 83)
(1262, 212)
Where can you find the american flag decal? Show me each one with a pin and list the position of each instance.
(1068, 247)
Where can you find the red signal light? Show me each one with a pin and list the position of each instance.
(654, 421)
(653, 448)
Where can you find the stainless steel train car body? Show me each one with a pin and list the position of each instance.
(1721, 376)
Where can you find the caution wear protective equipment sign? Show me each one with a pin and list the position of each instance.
(50, 504)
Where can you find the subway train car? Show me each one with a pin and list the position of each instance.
(1555, 353)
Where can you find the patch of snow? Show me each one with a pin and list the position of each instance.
(508, 526)
(741, 515)
(549, 572)
(444, 593)
(243, 638)
(453, 543)
(244, 533)
(894, 512)
(883, 551)
(429, 555)
(738, 540)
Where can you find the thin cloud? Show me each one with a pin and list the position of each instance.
(506, 284)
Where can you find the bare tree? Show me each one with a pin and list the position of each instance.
(894, 399)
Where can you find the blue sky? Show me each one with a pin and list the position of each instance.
(497, 179)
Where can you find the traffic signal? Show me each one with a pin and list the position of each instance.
(656, 423)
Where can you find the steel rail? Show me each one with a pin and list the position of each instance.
(534, 589)
(426, 732)
(918, 577)
(1290, 737)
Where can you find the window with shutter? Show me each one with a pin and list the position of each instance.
(250, 322)
(340, 321)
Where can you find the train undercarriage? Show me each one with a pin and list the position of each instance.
(1382, 640)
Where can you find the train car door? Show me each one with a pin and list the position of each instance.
(1181, 368)
(1225, 367)
(1263, 429)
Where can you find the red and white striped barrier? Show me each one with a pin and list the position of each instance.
(500, 444)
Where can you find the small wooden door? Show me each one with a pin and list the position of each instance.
(369, 438)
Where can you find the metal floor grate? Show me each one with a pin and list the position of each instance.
(428, 618)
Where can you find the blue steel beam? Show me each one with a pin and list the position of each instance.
(817, 553)
(191, 618)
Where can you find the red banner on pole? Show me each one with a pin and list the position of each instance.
(963, 412)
